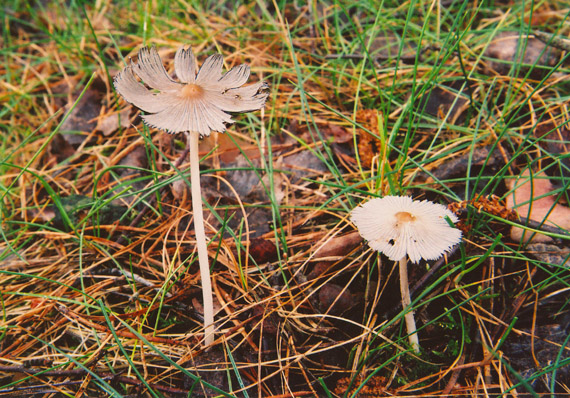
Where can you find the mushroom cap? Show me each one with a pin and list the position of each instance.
(398, 226)
(198, 102)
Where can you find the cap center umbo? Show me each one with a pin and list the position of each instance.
(191, 91)
(404, 216)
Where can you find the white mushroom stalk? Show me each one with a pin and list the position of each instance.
(196, 105)
(400, 228)
(406, 304)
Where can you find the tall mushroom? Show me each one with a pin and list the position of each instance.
(400, 228)
(196, 105)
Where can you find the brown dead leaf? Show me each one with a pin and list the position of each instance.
(385, 46)
(82, 118)
(262, 250)
(108, 123)
(339, 246)
(180, 190)
(45, 214)
(443, 101)
(335, 299)
(226, 147)
(60, 148)
(301, 164)
(137, 157)
(388, 45)
(549, 254)
(526, 200)
(457, 167)
(506, 49)
(132, 165)
(270, 321)
(338, 133)
(335, 249)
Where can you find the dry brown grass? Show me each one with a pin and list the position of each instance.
(99, 287)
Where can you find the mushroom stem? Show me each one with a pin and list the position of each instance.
(406, 301)
(193, 143)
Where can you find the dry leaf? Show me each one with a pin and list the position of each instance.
(441, 101)
(60, 148)
(385, 46)
(82, 119)
(458, 167)
(338, 133)
(549, 254)
(262, 250)
(388, 45)
(335, 249)
(335, 299)
(528, 201)
(137, 157)
(338, 246)
(108, 123)
(180, 190)
(506, 49)
(228, 148)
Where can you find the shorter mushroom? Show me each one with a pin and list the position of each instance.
(401, 227)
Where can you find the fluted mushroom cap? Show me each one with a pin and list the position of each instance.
(198, 102)
(398, 226)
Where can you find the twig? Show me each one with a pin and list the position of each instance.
(552, 40)
(541, 226)
(454, 377)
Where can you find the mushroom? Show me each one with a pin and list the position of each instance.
(196, 105)
(400, 228)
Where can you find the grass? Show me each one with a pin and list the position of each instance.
(99, 282)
